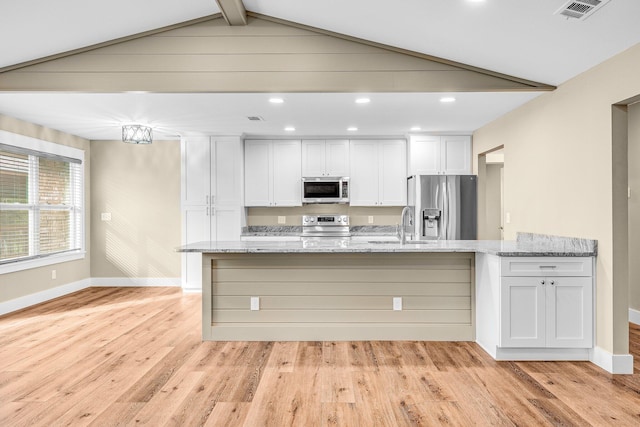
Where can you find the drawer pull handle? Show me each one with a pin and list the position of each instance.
(548, 266)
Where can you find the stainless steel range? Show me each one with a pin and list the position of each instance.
(320, 226)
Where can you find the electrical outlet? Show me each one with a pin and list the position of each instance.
(370, 219)
(397, 303)
(255, 303)
(53, 275)
(282, 219)
(105, 216)
(507, 217)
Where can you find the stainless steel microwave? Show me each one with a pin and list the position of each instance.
(325, 190)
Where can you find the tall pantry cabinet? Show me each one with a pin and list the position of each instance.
(211, 197)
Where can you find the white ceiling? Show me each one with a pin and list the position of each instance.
(514, 37)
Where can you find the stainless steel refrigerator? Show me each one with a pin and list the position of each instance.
(444, 207)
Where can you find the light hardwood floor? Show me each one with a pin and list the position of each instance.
(133, 356)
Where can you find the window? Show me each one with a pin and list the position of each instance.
(41, 202)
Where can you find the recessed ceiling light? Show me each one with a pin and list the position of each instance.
(416, 128)
(276, 100)
(363, 101)
(447, 99)
(352, 129)
(290, 129)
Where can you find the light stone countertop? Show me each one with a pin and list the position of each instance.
(547, 246)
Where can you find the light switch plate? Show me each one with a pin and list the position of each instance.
(397, 303)
(507, 217)
(255, 303)
(105, 216)
(370, 219)
(282, 219)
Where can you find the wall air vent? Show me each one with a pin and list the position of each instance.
(580, 9)
(255, 118)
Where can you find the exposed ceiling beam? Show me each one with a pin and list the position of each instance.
(233, 11)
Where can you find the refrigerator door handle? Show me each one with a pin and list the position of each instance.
(447, 207)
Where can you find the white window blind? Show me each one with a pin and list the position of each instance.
(41, 196)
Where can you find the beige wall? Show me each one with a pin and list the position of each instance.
(570, 193)
(140, 186)
(22, 283)
(293, 216)
(634, 206)
(262, 56)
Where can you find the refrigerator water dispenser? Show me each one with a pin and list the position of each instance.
(431, 222)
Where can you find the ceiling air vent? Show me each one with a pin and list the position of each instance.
(255, 118)
(580, 9)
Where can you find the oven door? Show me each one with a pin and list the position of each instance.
(321, 191)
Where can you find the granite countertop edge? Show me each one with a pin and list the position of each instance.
(491, 247)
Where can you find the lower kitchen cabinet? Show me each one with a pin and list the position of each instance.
(551, 312)
(537, 308)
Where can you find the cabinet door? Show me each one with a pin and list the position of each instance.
(196, 171)
(337, 158)
(196, 227)
(287, 173)
(456, 155)
(313, 158)
(364, 173)
(424, 155)
(392, 160)
(227, 173)
(227, 220)
(257, 173)
(569, 312)
(522, 312)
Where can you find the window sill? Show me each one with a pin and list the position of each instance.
(41, 262)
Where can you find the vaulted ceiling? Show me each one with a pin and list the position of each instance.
(517, 38)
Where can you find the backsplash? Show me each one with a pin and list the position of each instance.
(358, 215)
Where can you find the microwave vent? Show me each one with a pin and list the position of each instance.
(580, 9)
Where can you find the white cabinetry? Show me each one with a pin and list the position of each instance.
(272, 173)
(211, 197)
(439, 155)
(535, 308)
(325, 158)
(378, 173)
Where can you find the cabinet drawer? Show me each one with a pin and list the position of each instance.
(546, 266)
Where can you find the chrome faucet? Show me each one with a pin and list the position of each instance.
(402, 232)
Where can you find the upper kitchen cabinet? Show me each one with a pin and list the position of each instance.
(439, 155)
(211, 171)
(325, 158)
(378, 173)
(272, 173)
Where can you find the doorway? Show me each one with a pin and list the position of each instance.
(491, 194)
(633, 197)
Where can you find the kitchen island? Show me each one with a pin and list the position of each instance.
(338, 289)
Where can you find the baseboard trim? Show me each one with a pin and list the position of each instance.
(42, 296)
(634, 316)
(127, 282)
(612, 363)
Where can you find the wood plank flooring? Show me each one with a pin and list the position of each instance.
(133, 356)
